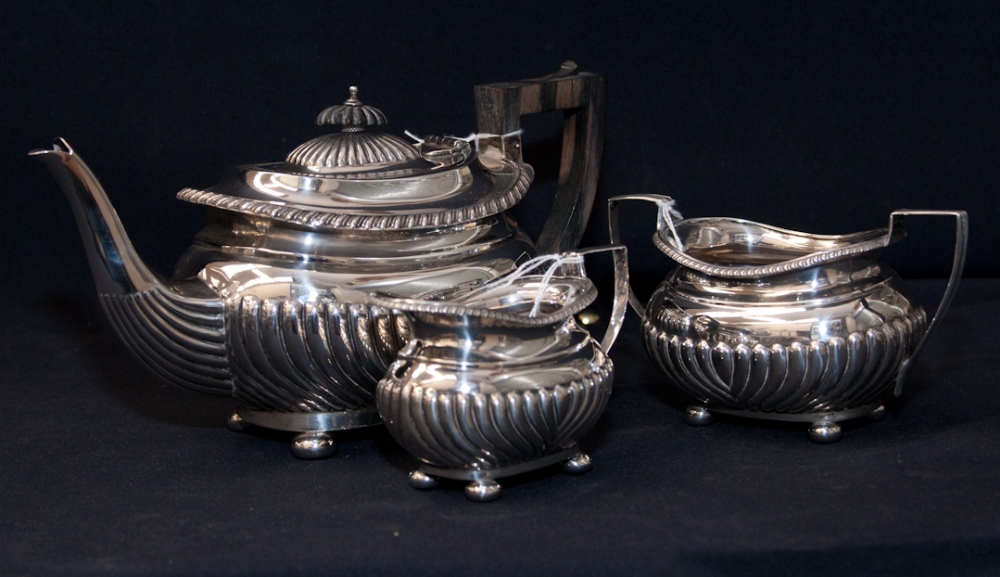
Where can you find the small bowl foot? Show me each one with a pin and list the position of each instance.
(697, 416)
(236, 424)
(420, 480)
(483, 490)
(580, 463)
(313, 445)
(825, 432)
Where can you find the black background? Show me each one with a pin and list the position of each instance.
(821, 117)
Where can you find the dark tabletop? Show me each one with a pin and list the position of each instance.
(108, 471)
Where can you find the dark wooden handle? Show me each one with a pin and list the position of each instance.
(581, 96)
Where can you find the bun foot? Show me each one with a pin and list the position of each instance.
(423, 481)
(697, 416)
(313, 445)
(825, 432)
(236, 424)
(483, 490)
(580, 463)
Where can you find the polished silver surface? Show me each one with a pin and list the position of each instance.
(825, 432)
(580, 463)
(313, 445)
(252, 310)
(501, 380)
(776, 324)
(483, 490)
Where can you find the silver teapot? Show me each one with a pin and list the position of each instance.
(249, 312)
(768, 323)
(502, 380)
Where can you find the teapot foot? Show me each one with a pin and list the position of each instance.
(236, 423)
(580, 463)
(483, 490)
(825, 432)
(421, 480)
(697, 416)
(313, 445)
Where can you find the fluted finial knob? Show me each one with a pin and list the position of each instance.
(353, 100)
(352, 115)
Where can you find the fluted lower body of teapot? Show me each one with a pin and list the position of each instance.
(484, 401)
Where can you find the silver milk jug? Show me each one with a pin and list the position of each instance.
(248, 312)
(502, 380)
(768, 323)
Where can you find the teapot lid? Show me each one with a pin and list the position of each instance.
(364, 179)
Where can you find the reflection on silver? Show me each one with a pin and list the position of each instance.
(252, 310)
(775, 324)
(485, 390)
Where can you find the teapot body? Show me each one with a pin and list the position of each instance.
(302, 359)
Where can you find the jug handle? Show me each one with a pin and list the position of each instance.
(620, 255)
(581, 95)
(896, 220)
(615, 232)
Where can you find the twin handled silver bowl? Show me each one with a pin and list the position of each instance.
(768, 323)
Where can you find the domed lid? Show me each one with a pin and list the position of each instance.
(352, 147)
(364, 179)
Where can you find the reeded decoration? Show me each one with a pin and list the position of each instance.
(252, 310)
(774, 324)
(353, 146)
(502, 380)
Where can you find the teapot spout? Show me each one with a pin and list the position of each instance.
(175, 327)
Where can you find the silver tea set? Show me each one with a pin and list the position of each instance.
(366, 279)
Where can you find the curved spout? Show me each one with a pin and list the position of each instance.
(176, 328)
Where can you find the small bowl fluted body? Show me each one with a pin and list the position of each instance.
(482, 395)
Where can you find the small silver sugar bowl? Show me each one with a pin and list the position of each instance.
(502, 380)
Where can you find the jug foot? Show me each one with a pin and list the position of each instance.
(236, 423)
(313, 445)
(697, 416)
(878, 414)
(483, 490)
(421, 480)
(580, 463)
(825, 432)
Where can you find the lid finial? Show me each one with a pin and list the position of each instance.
(353, 100)
(352, 115)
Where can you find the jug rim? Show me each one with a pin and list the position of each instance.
(815, 249)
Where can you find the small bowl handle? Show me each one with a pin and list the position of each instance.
(615, 231)
(622, 290)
